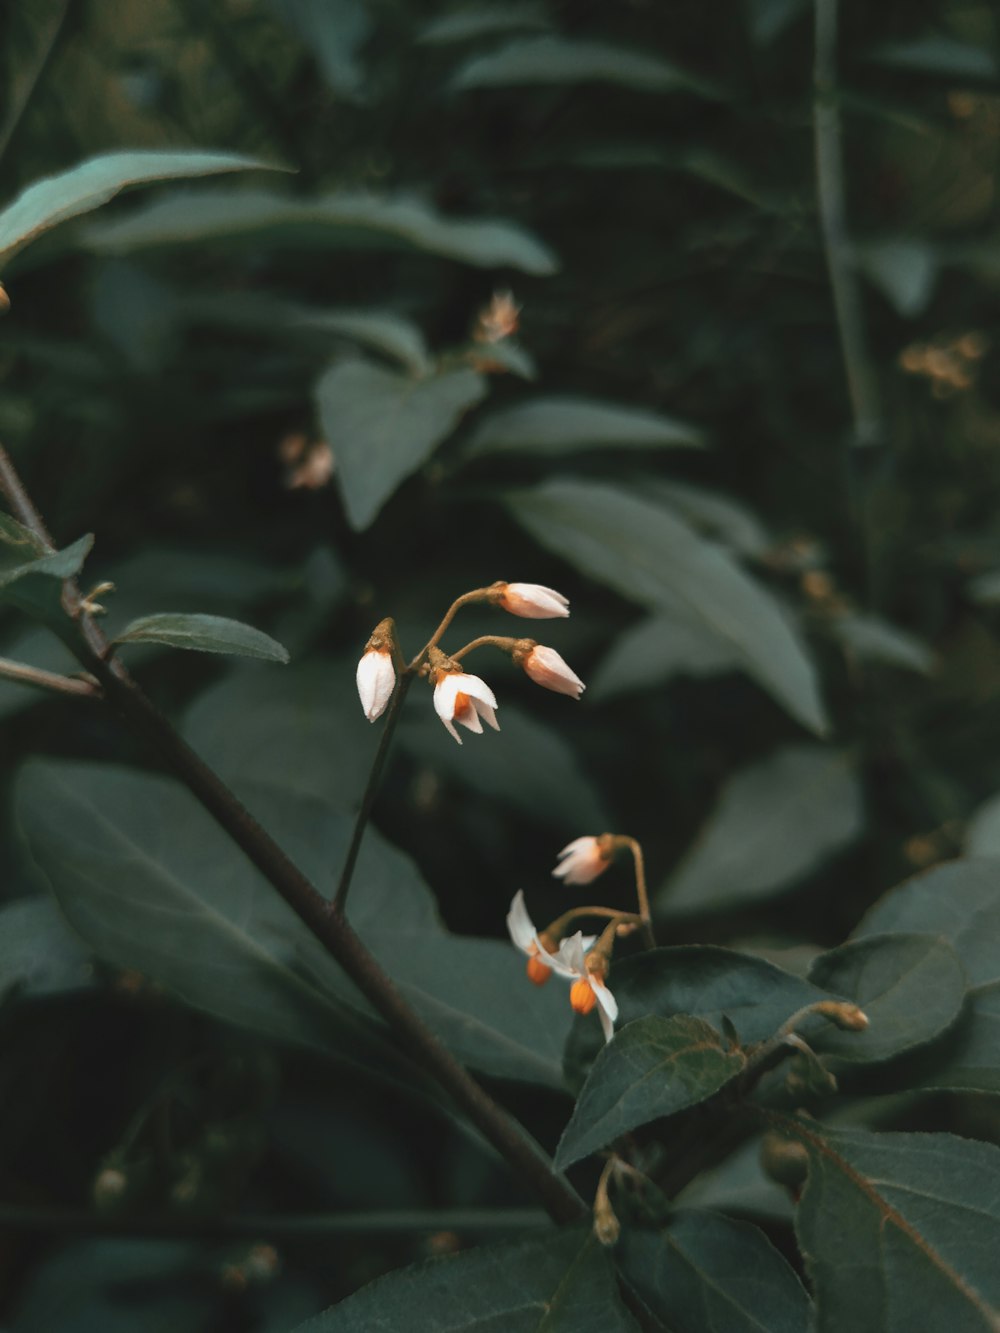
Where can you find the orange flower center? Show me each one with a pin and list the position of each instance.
(463, 705)
(538, 972)
(582, 996)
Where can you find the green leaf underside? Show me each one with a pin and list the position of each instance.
(912, 988)
(203, 634)
(649, 555)
(562, 425)
(655, 650)
(342, 218)
(774, 823)
(563, 1283)
(85, 187)
(702, 981)
(653, 1067)
(383, 426)
(959, 901)
(148, 880)
(39, 955)
(561, 60)
(900, 1231)
(706, 1272)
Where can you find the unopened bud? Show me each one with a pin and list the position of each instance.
(784, 1160)
(847, 1016)
(607, 1228)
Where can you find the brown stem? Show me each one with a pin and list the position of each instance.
(466, 599)
(504, 642)
(49, 680)
(642, 893)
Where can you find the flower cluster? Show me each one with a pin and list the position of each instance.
(460, 697)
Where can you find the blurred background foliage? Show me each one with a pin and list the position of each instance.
(543, 297)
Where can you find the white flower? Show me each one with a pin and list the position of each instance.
(588, 989)
(532, 600)
(376, 681)
(464, 699)
(582, 860)
(546, 667)
(538, 948)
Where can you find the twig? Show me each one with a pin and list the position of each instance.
(49, 680)
(861, 385)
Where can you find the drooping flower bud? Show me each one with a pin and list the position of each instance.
(376, 675)
(459, 697)
(531, 600)
(545, 667)
(584, 859)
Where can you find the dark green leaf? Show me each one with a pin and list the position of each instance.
(873, 639)
(970, 1055)
(718, 516)
(482, 21)
(380, 330)
(982, 835)
(653, 1067)
(566, 425)
(334, 32)
(912, 988)
(649, 555)
(705, 1272)
(92, 183)
(38, 953)
(932, 54)
(960, 901)
(383, 426)
(203, 634)
(564, 60)
(149, 881)
(657, 649)
(900, 1231)
(774, 823)
(339, 219)
(705, 982)
(563, 1283)
(22, 553)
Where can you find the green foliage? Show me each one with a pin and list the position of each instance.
(203, 634)
(567, 425)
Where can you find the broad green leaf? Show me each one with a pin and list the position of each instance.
(652, 1068)
(203, 634)
(333, 31)
(561, 1283)
(932, 54)
(646, 553)
(982, 835)
(959, 901)
(970, 1056)
(150, 881)
(528, 764)
(39, 955)
(380, 330)
(343, 218)
(704, 982)
(912, 988)
(383, 426)
(705, 1272)
(93, 182)
(774, 823)
(656, 649)
(904, 270)
(481, 21)
(873, 639)
(719, 516)
(565, 60)
(564, 425)
(900, 1231)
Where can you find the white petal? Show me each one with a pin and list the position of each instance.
(470, 719)
(451, 729)
(605, 999)
(519, 924)
(487, 713)
(475, 687)
(588, 942)
(606, 1023)
(578, 844)
(444, 696)
(376, 680)
(571, 954)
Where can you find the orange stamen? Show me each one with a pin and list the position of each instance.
(538, 972)
(582, 996)
(462, 705)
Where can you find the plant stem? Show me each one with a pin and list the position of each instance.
(466, 599)
(371, 790)
(642, 893)
(504, 642)
(49, 680)
(330, 927)
(830, 194)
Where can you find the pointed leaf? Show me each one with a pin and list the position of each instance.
(482, 21)
(719, 516)
(381, 330)
(564, 60)
(653, 1067)
(873, 639)
(649, 555)
(774, 823)
(706, 1272)
(982, 836)
(203, 634)
(900, 1231)
(22, 553)
(655, 650)
(343, 218)
(383, 426)
(333, 31)
(93, 182)
(562, 1283)
(39, 955)
(912, 988)
(561, 425)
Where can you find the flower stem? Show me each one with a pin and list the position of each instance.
(642, 893)
(466, 599)
(504, 642)
(371, 790)
(49, 680)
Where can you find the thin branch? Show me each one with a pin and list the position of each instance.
(49, 680)
(31, 80)
(861, 385)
